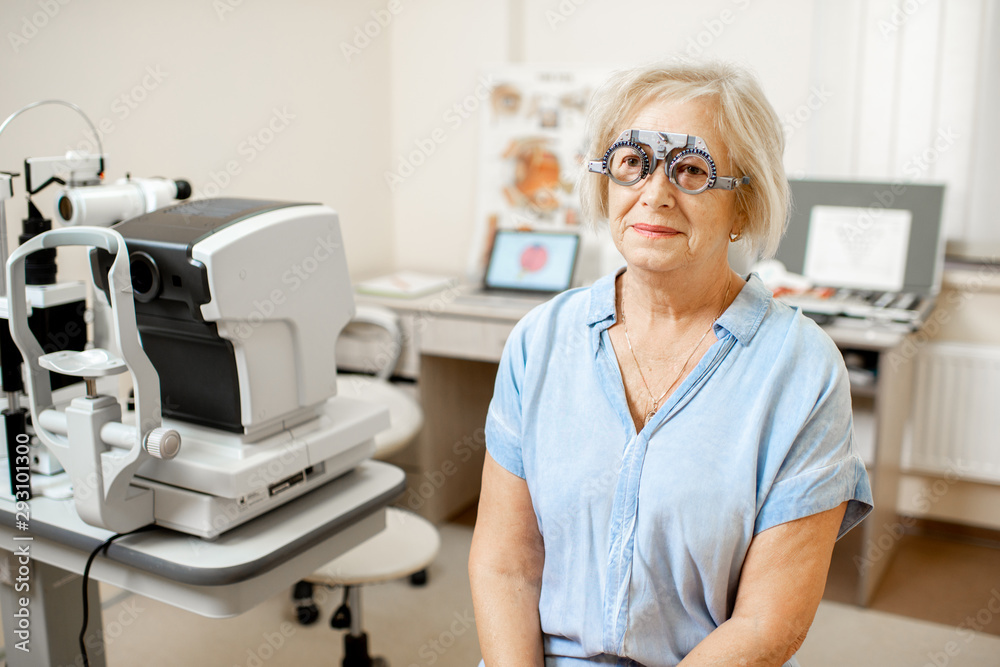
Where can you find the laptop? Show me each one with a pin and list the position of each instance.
(526, 267)
(874, 252)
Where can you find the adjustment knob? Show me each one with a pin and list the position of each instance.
(163, 443)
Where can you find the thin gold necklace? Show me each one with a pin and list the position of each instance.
(656, 401)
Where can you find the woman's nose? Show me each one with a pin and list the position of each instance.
(657, 190)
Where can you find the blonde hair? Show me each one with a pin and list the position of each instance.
(744, 118)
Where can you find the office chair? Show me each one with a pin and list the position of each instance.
(409, 542)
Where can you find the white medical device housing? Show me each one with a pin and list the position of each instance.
(104, 205)
(238, 304)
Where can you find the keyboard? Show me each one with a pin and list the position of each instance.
(875, 305)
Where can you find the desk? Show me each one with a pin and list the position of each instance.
(226, 577)
(455, 345)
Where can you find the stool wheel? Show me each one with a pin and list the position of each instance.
(307, 614)
(303, 590)
(341, 619)
(419, 578)
(306, 610)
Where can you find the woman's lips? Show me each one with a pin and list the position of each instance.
(655, 231)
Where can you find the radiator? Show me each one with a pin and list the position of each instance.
(956, 412)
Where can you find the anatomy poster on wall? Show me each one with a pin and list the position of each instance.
(531, 144)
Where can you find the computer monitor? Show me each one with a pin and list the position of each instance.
(532, 261)
(885, 236)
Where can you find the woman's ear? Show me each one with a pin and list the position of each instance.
(739, 226)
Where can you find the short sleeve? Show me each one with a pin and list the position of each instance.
(822, 467)
(503, 421)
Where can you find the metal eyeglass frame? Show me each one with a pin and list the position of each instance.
(662, 144)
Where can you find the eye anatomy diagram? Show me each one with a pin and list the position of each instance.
(531, 138)
(534, 258)
(536, 179)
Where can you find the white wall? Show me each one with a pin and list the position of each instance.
(438, 51)
(982, 233)
(222, 75)
(913, 86)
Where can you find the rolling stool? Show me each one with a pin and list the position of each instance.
(409, 542)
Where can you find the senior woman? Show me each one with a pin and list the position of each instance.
(671, 454)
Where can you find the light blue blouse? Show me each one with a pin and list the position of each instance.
(645, 534)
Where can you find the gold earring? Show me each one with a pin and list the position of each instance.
(733, 238)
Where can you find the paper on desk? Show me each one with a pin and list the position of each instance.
(404, 284)
(861, 248)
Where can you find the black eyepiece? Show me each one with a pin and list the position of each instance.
(183, 189)
(65, 207)
(145, 277)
